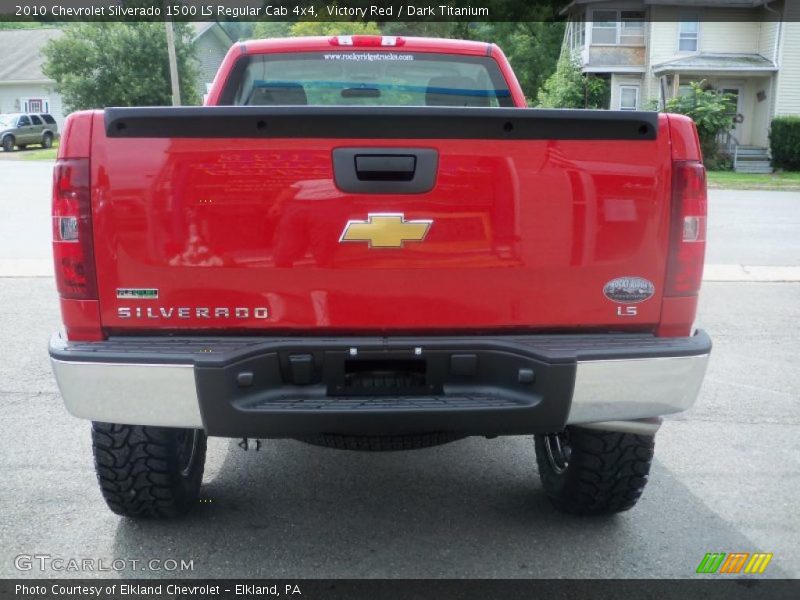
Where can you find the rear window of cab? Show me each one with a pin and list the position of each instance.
(366, 78)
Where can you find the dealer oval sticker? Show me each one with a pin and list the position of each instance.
(629, 290)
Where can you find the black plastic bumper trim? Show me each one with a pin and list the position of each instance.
(220, 351)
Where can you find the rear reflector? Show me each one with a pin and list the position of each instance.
(694, 229)
(73, 253)
(688, 229)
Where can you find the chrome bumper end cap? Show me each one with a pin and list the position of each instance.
(609, 393)
(132, 394)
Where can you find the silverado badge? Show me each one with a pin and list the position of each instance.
(386, 230)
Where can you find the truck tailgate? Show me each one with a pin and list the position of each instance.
(236, 218)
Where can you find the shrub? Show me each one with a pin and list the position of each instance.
(784, 142)
(569, 88)
(721, 161)
(711, 112)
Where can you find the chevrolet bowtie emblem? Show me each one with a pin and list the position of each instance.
(386, 230)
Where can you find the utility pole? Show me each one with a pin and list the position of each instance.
(173, 64)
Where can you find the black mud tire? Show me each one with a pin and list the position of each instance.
(148, 472)
(47, 140)
(381, 443)
(593, 472)
(8, 143)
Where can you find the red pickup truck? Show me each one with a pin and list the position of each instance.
(371, 243)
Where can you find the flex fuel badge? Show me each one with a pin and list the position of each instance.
(629, 290)
(137, 293)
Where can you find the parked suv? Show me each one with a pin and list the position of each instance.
(22, 130)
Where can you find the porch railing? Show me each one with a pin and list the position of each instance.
(728, 143)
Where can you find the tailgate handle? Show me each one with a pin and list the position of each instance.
(385, 170)
(385, 167)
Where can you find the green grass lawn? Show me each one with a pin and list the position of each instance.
(31, 153)
(36, 153)
(749, 181)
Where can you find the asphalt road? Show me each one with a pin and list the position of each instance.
(25, 224)
(726, 476)
(753, 227)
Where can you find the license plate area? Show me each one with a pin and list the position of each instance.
(384, 377)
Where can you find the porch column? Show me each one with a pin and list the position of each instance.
(676, 84)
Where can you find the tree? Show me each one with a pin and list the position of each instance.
(96, 65)
(532, 48)
(268, 29)
(568, 87)
(334, 28)
(240, 30)
(271, 29)
(712, 112)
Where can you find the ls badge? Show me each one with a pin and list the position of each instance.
(386, 230)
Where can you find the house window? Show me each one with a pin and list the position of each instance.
(618, 27)
(688, 33)
(604, 27)
(628, 97)
(580, 36)
(631, 27)
(35, 105)
(577, 33)
(569, 39)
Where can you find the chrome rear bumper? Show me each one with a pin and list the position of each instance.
(121, 381)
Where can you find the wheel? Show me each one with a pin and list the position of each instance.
(8, 143)
(148, 471)
(380, 443)
(593, 472)
(47, 140)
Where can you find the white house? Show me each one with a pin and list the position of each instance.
(24, 88)
(211, 44)
(650, 50)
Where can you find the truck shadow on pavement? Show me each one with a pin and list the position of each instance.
(473, 508)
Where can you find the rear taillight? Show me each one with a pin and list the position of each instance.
(688, 229)
(72, 230)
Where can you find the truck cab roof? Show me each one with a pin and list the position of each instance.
(366, 42)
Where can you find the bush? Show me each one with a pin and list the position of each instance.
(712, 115)
(569, 88)
(719, 162)
(784, 142)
